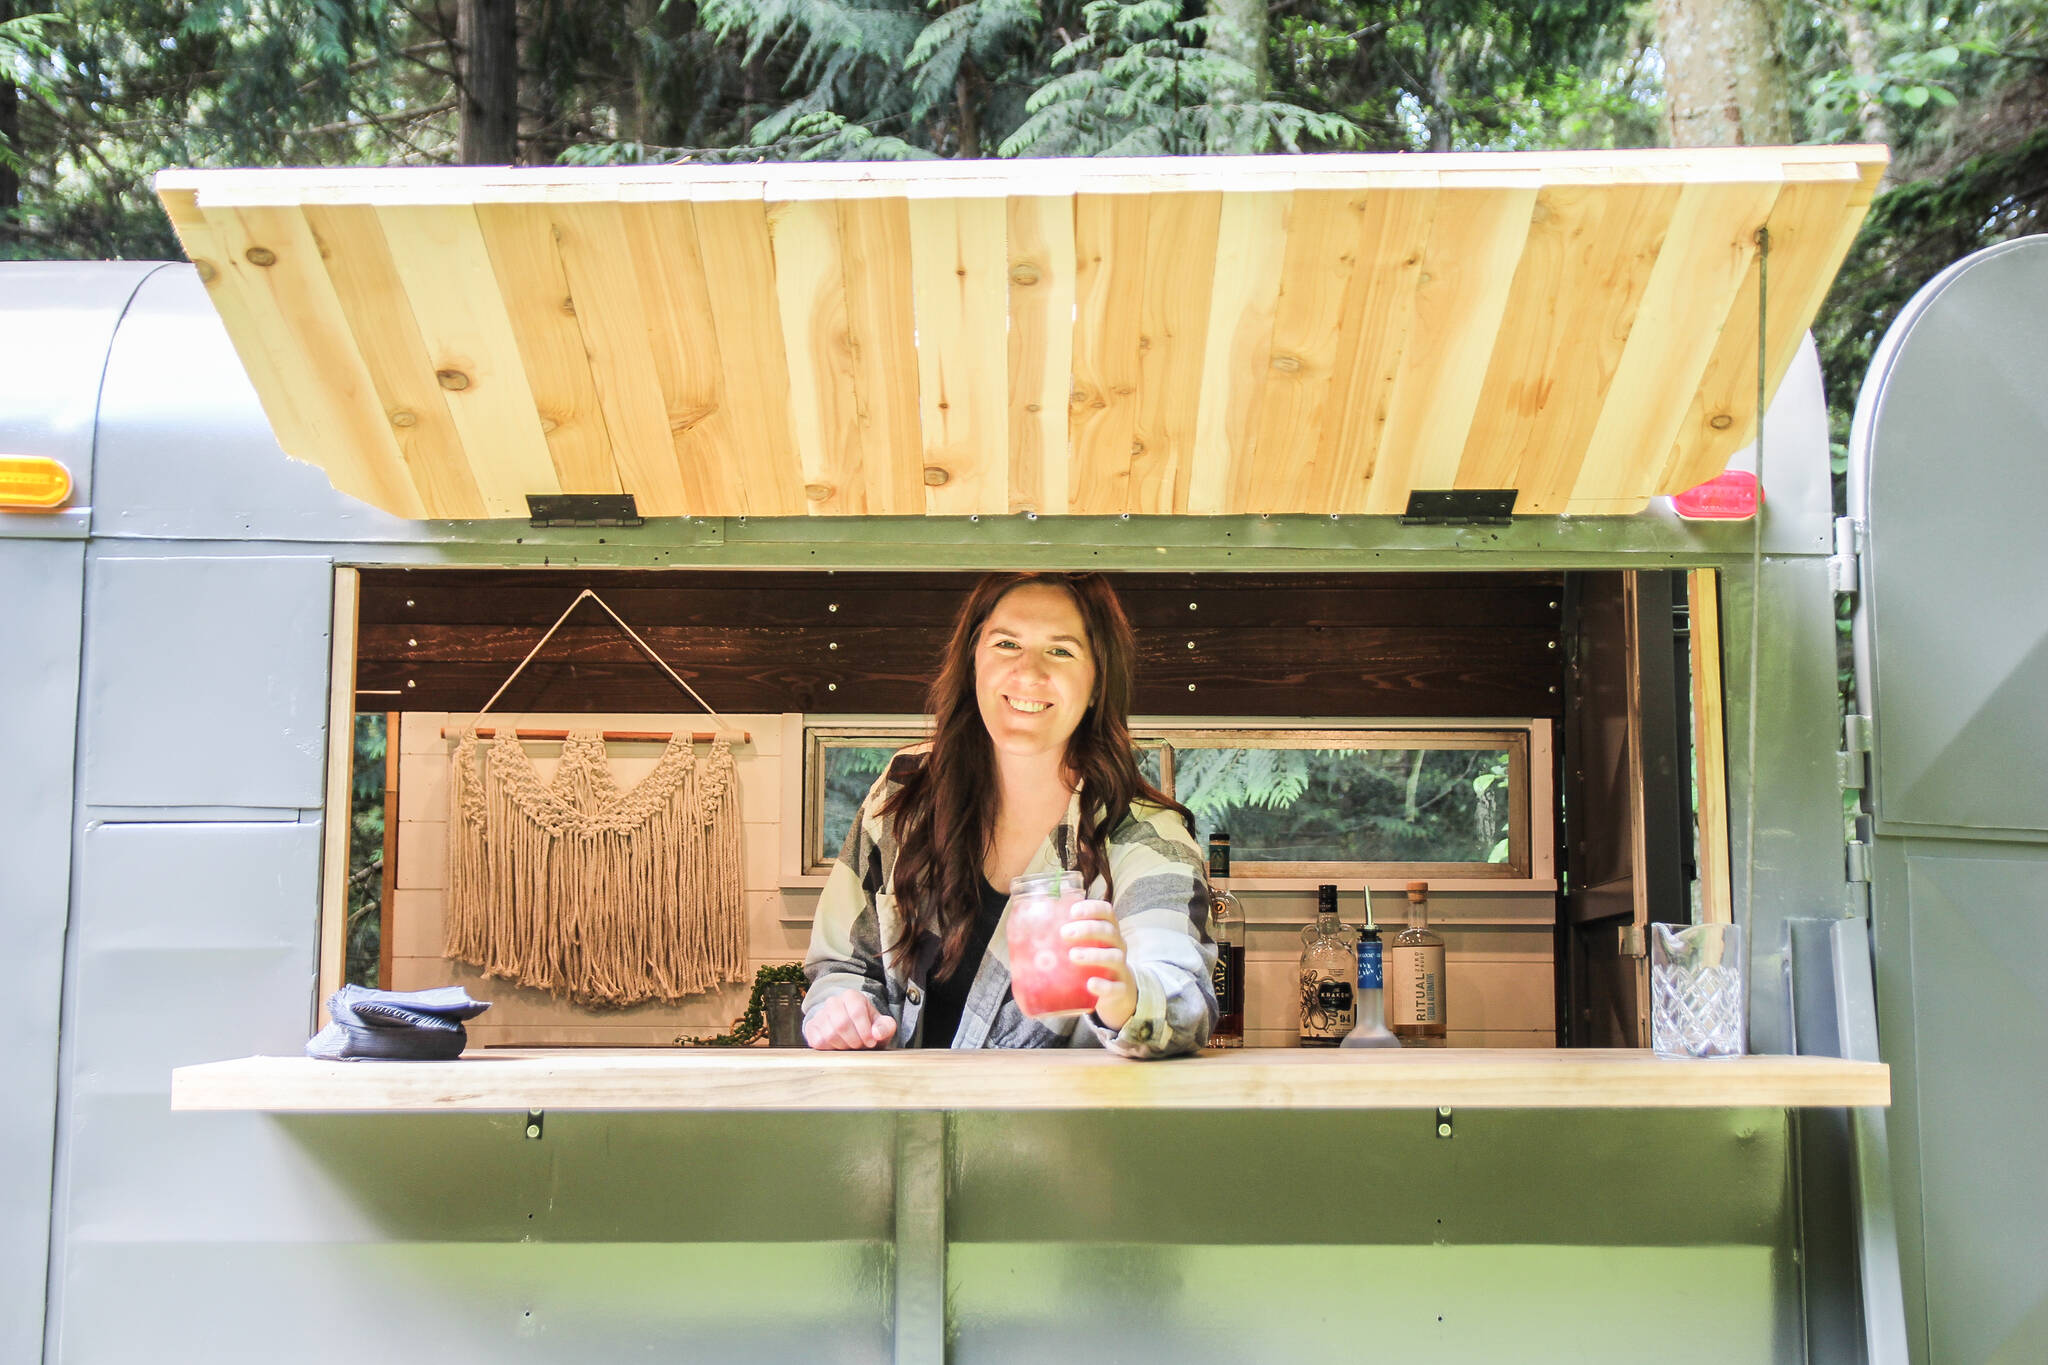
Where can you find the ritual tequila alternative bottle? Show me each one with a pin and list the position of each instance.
(1415, 977)
(1226, 925)
(1329, 971)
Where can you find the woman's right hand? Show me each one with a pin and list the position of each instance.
(848, 1020)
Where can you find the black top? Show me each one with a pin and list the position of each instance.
(945, 998)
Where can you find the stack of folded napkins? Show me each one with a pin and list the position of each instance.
(413, 1026)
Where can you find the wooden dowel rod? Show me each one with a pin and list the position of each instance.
(696, 736)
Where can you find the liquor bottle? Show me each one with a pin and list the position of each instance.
(1371, 1028)
(1226, 926)
(1329, 974)
(1415, 977)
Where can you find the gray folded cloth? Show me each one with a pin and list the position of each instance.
(417, 1026)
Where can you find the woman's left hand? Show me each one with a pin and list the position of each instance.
(1097, 944)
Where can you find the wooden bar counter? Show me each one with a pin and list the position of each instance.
(1259, 1078)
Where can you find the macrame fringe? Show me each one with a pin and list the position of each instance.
(602, 897)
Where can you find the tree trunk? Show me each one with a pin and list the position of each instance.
(488, 33)
(1238, 31)
(1440, 98)
(540, 134)
(964, 99)
(1726, 82)
(1862, 36)
(10, 134)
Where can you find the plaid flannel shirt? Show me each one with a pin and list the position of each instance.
(1162, 910)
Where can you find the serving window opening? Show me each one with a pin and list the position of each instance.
(1515, 739)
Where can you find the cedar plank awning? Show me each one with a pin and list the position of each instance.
(1210, 335)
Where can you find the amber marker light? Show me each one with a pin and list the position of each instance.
(33, 483)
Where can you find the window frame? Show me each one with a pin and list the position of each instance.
(1531, 859)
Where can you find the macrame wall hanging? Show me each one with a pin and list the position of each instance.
(599, 895)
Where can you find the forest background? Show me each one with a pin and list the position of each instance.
(98, 95)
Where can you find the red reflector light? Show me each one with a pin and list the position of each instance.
(1732, 496)
(32, 483)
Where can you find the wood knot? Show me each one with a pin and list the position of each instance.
(569, 306)
(1031, 407)
(402, 418)
(935, 477)
(1137, 447)
(207, 274)
(1720, 421)
(817, 492)
(548, 426)
(1024, 274)
(1287, 363)
(452, 379)
(260, 255)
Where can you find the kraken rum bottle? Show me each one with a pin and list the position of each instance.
(1226, 926)
(1415, 978)
(1329, 974)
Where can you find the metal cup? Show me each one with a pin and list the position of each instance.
(782, 1003)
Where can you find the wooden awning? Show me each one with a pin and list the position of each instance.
(1200, 336)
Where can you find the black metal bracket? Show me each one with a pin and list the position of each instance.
(535, 1119)
(1441, 1124)
(1460, 506)
(583, 509)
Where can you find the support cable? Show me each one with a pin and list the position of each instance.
(1756, 559)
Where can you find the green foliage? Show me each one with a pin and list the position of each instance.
(364, 934)
(1138, 82)
(1345, 805)
(1913, 232)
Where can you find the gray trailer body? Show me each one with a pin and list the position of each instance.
(165, 691)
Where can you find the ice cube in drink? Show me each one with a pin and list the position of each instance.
(1045, 981)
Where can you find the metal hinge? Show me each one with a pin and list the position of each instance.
(1629, 941)
(1858, 861)
(1842, 563)
(583, 509)
(1849, 759)
(1459, 507)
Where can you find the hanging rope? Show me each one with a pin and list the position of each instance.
(1756, 561)
(601, 896)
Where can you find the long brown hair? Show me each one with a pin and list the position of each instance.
(945, 810)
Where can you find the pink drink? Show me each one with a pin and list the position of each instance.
(1045, 982)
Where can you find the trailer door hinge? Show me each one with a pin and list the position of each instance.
(1858, 863)
(1856, 733)
(1629, 941)
(1459, 507)
(1842, 563)
(583, 509)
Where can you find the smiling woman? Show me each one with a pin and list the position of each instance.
(1030, 771)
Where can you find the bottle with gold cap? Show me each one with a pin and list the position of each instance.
(1415, 998)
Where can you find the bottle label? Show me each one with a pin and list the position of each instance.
(1219, 975)
(1328, 1007)
(1369, 966)
(1415, 985)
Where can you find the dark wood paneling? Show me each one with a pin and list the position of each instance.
(1423, 645)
